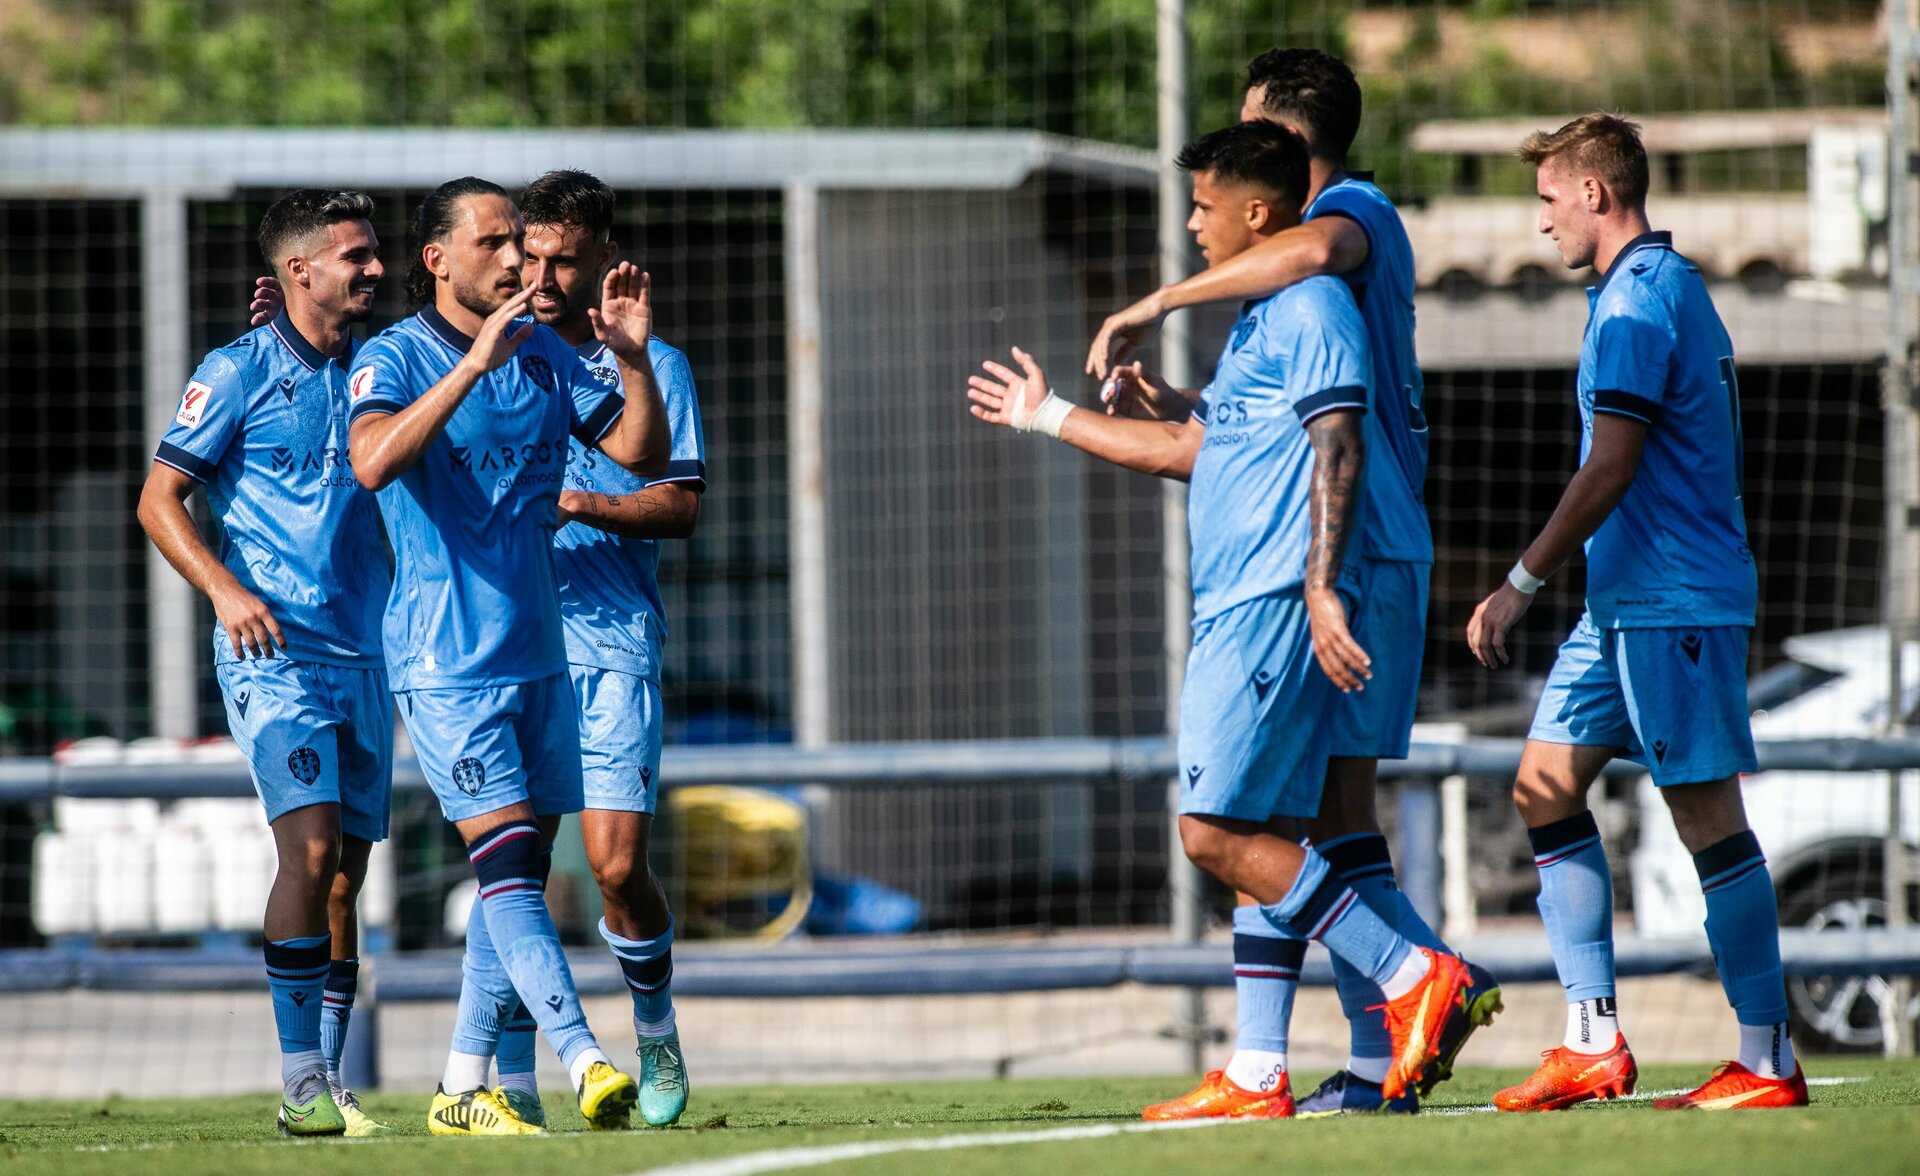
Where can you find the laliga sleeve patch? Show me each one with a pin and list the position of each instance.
(193, 404)
(360, 383)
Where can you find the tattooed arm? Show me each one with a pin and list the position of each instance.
(1339, 455)
(669, 510)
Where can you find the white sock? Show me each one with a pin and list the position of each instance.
(525, 1082)
(293, 1065)
(1408, 976)
(659, 1028)
(1592, 1025)
(465, 1072)
(1257, 1069)
(1767, 1050)
(1373, 1070)
(586, 1057)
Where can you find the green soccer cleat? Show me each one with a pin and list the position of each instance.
(309, 1108)
(521, 1105)
(360, 1125)
(606, 1097)
(663, 1080)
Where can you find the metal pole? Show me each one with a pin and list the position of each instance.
(173, 646)
(1902, 585)
(1184, 883)
(806, 471)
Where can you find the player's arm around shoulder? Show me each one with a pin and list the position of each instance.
(1328, 245)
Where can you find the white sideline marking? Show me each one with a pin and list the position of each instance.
(786, 1158)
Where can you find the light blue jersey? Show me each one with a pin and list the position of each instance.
(1397, 527)
(609, 598)
(472, 521)
(263, 425)
(1292, 356)
(1674, 552)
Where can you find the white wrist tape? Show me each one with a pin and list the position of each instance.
(1046, 418)
(1522, 580)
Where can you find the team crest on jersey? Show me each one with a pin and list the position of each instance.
(360, 383)
(539, 371)
(304, 763)
(606, 376)
(470, 776)
(193, 404)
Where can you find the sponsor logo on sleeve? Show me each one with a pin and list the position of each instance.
(360, 383)
(193, 404)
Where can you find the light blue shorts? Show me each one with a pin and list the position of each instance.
(314, 734)
(1254, 714)
(619, 738)
(1390, 623)
(1674, 699)
(483, 748)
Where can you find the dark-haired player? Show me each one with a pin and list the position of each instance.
(1353, 231)
(1656, 670)
(605, 555)
(461, 419)
(297, 591)
(1274, 450)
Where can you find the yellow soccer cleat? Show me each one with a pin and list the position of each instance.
(477, 1112)
(523, 1106)
(607, 1097)
(310, 1109)
(360, 1125)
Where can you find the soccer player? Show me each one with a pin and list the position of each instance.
(605, 555)
(297, 591)
(1274, 450)
(1351, 230)
(1656, 669)
(460, 419)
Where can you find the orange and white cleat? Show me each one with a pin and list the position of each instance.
(1566, 1078)
(1734, 1087)
(1419, 1022)
(1219, 1097)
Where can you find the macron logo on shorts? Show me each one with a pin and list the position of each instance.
(193, 404)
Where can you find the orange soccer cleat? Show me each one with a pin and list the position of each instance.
(1219, 1097)
(1419, 1021)
(1565, 1078)
(1734, 1086)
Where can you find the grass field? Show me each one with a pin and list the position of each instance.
(1870, 1123)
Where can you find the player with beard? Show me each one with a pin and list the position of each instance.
(460, 420)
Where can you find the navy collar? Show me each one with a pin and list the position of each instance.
(310, 357)
(449, 334)
(591, 350)
(1656, 239)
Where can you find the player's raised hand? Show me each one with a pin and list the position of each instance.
(249, 626)
(1020, 400)
(1346, 665)
(1492, 621)
(493, 345)
(1122, 333)
(268, 301)
(1133, 392)
(624, 318)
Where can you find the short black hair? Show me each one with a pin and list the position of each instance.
(1312, 88)
(1257, 153)
(572, 198)
(303, 212)
(433, 222)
